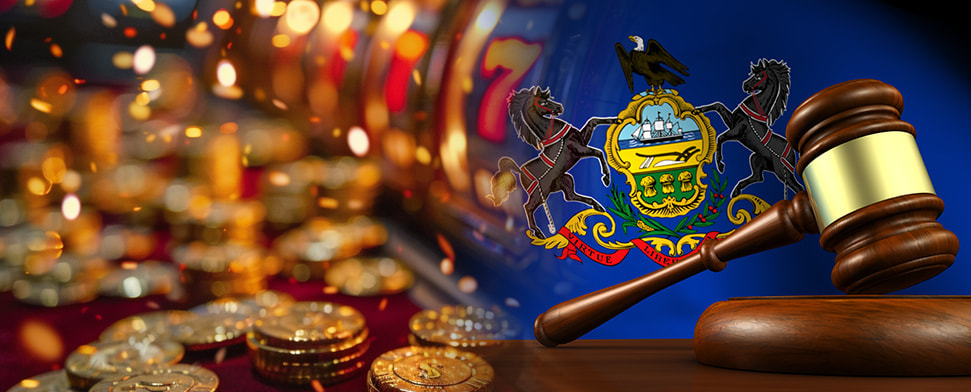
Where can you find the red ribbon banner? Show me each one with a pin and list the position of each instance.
(577, 245)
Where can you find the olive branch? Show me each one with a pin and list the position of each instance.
(631, 217)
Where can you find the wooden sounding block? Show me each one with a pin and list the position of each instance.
(858, 335)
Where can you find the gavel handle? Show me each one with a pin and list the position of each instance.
(784, 223)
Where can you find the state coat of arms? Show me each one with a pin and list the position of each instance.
(674, 195)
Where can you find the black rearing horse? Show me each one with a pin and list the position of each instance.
(561, 145)
(748, 124)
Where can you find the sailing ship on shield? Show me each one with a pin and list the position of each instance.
(663, 147)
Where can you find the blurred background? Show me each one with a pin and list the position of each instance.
(138, 135)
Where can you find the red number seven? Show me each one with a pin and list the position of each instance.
(516, 58)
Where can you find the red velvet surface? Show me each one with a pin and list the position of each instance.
(21, 325)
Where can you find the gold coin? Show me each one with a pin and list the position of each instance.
(212, 330)
(55, 381)
(419, 369)
(45, 291)
(255, 306)
(332, 354)
(369, 276)
(219, 259)
(176, 378)
(160, 324)
(136, 280)
(302, 375)
(462, 326)
(307, 325)
(91, 363)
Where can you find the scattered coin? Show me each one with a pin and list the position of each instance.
(176, 378)
(91, 363)
(420, 369)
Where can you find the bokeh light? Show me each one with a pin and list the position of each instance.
(302, 15)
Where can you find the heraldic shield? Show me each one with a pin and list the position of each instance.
(661, 145)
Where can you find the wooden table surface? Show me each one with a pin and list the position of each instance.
(667, 365)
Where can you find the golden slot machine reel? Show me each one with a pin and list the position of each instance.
(867, 192)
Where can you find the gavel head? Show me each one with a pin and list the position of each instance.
(872, 197)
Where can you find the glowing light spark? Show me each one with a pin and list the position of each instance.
(446, 247)
(280, 41)
(328, 203)
(229, 128)
(54, 169)
(123, 60)
(263, 8)
(30, 383)
(144, 59)
(468, 284)
(56, 51)
(37, 186)
(143, 99)
(512, 302)
(150, 85)
(163, 15)
(357, 140)
(193, 132)
(331, 290)
(337, 17)
(423, 155)
(446, 266)
(109, 21)
(138, 111)
(222, 19)
(383, 304)
(8, 41)
(199, 36)
(145, 5)
(226, 73)
(41, 106)
(41, 340)
(317, 386)
(416, 76)
(71, 207)
(400, 16)
(71, 181)
(220, 355)
(279, 178)
(302, 15)
(379, 7)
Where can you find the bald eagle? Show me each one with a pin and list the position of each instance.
(646, 61)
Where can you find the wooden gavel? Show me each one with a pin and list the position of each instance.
(867, 191)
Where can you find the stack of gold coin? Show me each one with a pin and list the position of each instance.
(369, 276)
(225, 321)
(307, 342)
(469, 328)
(346, 187)
(175, 378)
(35, 267)
(306, 251)
(216, 271)
(91, 363)
(133, 279)
(63, 280)
(427, 369)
